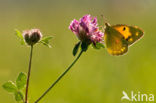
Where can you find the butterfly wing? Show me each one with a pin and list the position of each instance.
(114, 41)
(130, 33)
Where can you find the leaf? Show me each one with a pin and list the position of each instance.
(98, 46)
(84, 46)
(48, 45)
(21, 80)
(10, 86)
(18, 96)
(76, 48)
(46, 40)
(20, 36)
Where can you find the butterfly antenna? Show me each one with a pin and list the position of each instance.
(105, 20)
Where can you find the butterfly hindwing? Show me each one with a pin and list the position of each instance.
(131, 33)
(115, 42)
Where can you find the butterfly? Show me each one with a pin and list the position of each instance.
(119, 37)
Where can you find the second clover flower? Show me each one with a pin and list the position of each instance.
(87, 30)
(32, 36)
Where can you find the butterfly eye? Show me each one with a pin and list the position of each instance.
(124, 28)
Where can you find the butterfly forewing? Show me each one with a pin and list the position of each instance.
(130, 33)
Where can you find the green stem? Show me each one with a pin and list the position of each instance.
(28, 75)
(59, 78)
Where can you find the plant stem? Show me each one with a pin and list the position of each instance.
(28, 75)
(59, 78)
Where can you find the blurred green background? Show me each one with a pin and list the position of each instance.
(97, 77)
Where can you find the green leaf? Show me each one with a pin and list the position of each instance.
(84, 46)
(46, 40)
(76, 48)
(18, 96)
(10, 86)
(20, 36)
(98, 46)
(48, 45)
(21, 80)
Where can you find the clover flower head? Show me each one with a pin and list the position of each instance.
(87, 30)
(32, 36)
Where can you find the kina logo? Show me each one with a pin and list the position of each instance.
(138, 96)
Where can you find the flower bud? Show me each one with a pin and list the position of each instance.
(32, 36)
